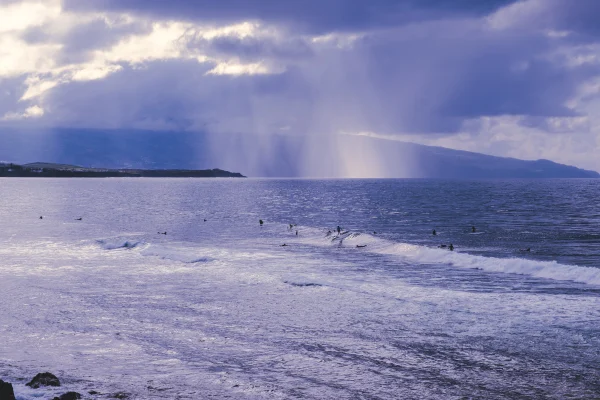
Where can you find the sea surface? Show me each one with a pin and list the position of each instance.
(218, 308)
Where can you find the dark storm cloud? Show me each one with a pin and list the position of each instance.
(174, 94)
(11, 90)
(425, 78)
(579, 16)
(308, 15)
(252, 48)
(431, 77)
(450, 66)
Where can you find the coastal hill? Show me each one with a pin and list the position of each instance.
(49, 170)
(128, 153)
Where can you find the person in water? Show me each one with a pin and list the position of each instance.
(339, 229)
(451, 248)
(260, 221)
(296, 233)
(434, 232)
(41, 217)
(473, 229)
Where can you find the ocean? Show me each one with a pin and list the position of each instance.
(171, 289)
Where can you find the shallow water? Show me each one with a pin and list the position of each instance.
(219, 309)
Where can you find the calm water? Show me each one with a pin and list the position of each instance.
(219, 309)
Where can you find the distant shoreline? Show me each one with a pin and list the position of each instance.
(47, 170)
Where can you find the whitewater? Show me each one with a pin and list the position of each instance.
(221, 307)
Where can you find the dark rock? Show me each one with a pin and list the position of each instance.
(44, 379)
(6, 391)
(68, 396)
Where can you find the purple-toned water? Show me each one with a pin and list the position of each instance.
(220, 309)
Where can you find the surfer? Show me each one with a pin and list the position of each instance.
(451, 248)
(527, 249)
(442, 246)
(361, 245)
(78, 219)
(260, 221)
(434, 232)
(284, 245)
(339, 229)
(162, 233)
(473, 229)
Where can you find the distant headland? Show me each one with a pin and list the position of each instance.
(49, 170)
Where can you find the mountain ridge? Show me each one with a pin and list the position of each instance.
(328, 156)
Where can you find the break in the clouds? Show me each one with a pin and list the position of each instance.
(509, 78)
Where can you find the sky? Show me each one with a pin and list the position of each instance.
(501, 77)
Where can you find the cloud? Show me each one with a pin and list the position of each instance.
(313, 16)
(435, 71)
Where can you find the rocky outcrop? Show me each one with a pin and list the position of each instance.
(44, 379)
(6, 391)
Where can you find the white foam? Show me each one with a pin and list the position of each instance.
(427, 255)
(184, 255)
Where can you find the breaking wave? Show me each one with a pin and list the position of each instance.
(428, 255)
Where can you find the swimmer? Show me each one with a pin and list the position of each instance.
(41, 217)
(260, 221)
(434, 232)
(451, 248)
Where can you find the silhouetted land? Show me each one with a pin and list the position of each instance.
(281, 156)
(47, 170)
